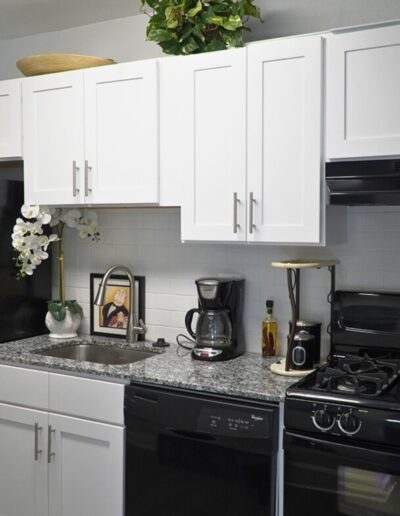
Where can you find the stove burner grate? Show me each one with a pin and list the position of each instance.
(361, 376)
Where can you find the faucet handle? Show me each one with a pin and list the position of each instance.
(141, 328)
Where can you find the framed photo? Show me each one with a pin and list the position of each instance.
(111, 319)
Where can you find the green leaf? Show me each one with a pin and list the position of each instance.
(233, 39)
(228, 23)
(214, 45)
(251, 10)
(173, 17)
(190, 46)
(196, 32)
(160, 35)
(74, 307)
(57, 310)
(187, 31)
(196, 9)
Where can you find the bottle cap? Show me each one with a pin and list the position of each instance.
(269, 303)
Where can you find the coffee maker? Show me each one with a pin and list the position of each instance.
(219, 329)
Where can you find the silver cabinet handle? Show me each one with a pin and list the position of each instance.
(236, 226)
(50, 454)
(37, 451)
(87, 169)
(75, 170)
(251, 214)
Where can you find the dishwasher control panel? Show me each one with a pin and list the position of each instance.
(252, 423)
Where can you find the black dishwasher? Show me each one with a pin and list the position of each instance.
(192, 455)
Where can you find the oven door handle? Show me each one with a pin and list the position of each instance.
(353, 451)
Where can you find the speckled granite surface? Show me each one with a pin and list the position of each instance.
(247, 376)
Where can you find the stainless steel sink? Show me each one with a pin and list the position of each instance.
(99, 354)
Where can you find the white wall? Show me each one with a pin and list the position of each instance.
(288, 17)
(124, 39)
(148, 241)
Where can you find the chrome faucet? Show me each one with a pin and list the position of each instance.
(135, 327)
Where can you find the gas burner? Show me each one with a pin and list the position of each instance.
(365, 365)
(360, 376)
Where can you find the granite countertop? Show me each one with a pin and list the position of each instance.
(248, 376)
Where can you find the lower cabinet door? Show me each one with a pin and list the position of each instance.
(86, 468)
(23, 464)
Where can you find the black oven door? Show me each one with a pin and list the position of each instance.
(331, 478)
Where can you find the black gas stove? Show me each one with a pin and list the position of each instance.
(342, 422)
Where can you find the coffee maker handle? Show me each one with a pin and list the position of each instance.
(188, 321)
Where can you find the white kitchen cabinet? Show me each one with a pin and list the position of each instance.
(53, 126)
(203, 143)
(121, 134)
(284, 140)
(10, 119)
(91, 137)
(280, 185)
(54, 464)
(363, 100)
(86, 471)
(23, 473)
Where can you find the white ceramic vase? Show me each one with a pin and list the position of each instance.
(65, 329)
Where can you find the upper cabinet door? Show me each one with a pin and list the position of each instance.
(284, 140)
(53, 129)
(363, 99)
(204, 142)
(10, 119)
(122, 155)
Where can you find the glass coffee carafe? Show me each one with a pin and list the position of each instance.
(213, 327)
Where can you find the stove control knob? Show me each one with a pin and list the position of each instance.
(323, 419)
(349, 424)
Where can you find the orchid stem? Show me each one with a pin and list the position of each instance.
(61, 262)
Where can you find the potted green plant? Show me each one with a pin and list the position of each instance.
(31, 243)
(194, 26)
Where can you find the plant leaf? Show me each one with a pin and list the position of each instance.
(190, 46)
(229, 23)
(251, 10)
(173, 17)
(196, 9)
(214, 45)
(74, 307)
(57, 310)
(160, 35)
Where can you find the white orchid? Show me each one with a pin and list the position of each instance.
(30, 242)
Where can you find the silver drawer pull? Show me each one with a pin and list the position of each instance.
(87, 170)
(75, 170)
(50, 454)
(251, 212)
(37, 451)
(236, 226)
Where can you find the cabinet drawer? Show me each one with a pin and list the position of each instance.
(24, 386)
(87, 398)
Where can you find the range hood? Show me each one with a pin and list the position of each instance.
(373, 182)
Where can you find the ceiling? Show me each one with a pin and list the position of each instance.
(26, 17)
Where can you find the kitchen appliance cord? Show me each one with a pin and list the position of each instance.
(182, 345)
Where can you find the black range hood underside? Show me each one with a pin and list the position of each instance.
(374, 183)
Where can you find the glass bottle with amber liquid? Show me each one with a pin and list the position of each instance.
(269, 331)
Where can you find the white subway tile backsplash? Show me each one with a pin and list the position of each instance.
(148, 241)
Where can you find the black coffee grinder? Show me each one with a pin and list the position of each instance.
(219, 329)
